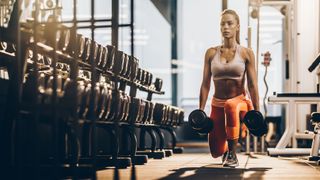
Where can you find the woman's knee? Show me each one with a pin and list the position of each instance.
(216, 154)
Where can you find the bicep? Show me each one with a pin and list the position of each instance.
(207, 69)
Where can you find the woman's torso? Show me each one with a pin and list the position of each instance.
(228, 74)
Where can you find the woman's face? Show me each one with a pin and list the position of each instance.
(228, 26)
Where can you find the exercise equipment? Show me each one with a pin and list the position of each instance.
(255, 123)
(200, 122)
(314, 153)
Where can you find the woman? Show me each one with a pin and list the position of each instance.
(232, 68)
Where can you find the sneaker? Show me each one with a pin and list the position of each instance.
(224, 156)
(231, 160)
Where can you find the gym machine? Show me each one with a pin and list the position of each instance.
(290, 133)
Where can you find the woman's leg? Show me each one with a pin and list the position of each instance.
(232, 108)
(217, 137)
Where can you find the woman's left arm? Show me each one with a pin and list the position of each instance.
(252, 79)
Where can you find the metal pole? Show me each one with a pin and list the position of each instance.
(115, 23)
(174, 54)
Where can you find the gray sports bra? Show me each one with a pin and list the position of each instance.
(235, 69)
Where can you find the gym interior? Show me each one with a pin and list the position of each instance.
(104, 89)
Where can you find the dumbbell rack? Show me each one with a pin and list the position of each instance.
(39, 107)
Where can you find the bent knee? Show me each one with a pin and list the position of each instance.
(216, 154)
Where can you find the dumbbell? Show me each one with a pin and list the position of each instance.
(118, 63)
(3, 46)
(79, 46)
(145, 77)
(134, 68)
(98, 59)
(142, 108)
(158, 84)
(146, 112)
(103, 60)
(128, 103)
(255, 123)
(174, 116)
(11, 48)
(96, 96)
(94, 52)
(115, 106)
(150, 79)
(84, 100)
(151, 110)
(129, 67)
(108, 102)
(158, 114)
(199, 121)
(181, 117)
(110, 58)
(124, 69)
(87, 50)
(64, 40)
(102, 100)
(134, 110)
(138, 76)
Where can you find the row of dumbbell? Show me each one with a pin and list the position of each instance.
(168, 115)
(44, 63)
(42, 82)
(109, 104)
(107, 58)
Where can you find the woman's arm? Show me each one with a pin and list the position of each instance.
(252, 79)
(206, 80)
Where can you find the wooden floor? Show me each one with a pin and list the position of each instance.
(192, 165)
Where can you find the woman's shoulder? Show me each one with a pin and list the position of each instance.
(246, 53)
(211, 52)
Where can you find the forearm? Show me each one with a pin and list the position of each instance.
(204, 91)
(254, 97)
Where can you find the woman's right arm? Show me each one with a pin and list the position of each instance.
(206, 80)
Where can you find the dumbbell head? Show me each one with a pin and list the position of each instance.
(151, 110)
(87, 50)
(255, 123)
(125, 65)
(3, 45)
(146, 112)
(118, 63)
(180, 117)
(108, 104)
(79, 46)
(94, 52)
(199, 121)
(134, 110)
(110, 58)
(158, 113)
(103, 60)
(64, 39)
(134, 68)
(127, 108)
(138, 77)
(158, 84)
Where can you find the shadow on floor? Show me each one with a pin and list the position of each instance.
(214, 171)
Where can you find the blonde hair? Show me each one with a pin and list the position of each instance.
(232, 12)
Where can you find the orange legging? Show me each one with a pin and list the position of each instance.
(226, 115)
